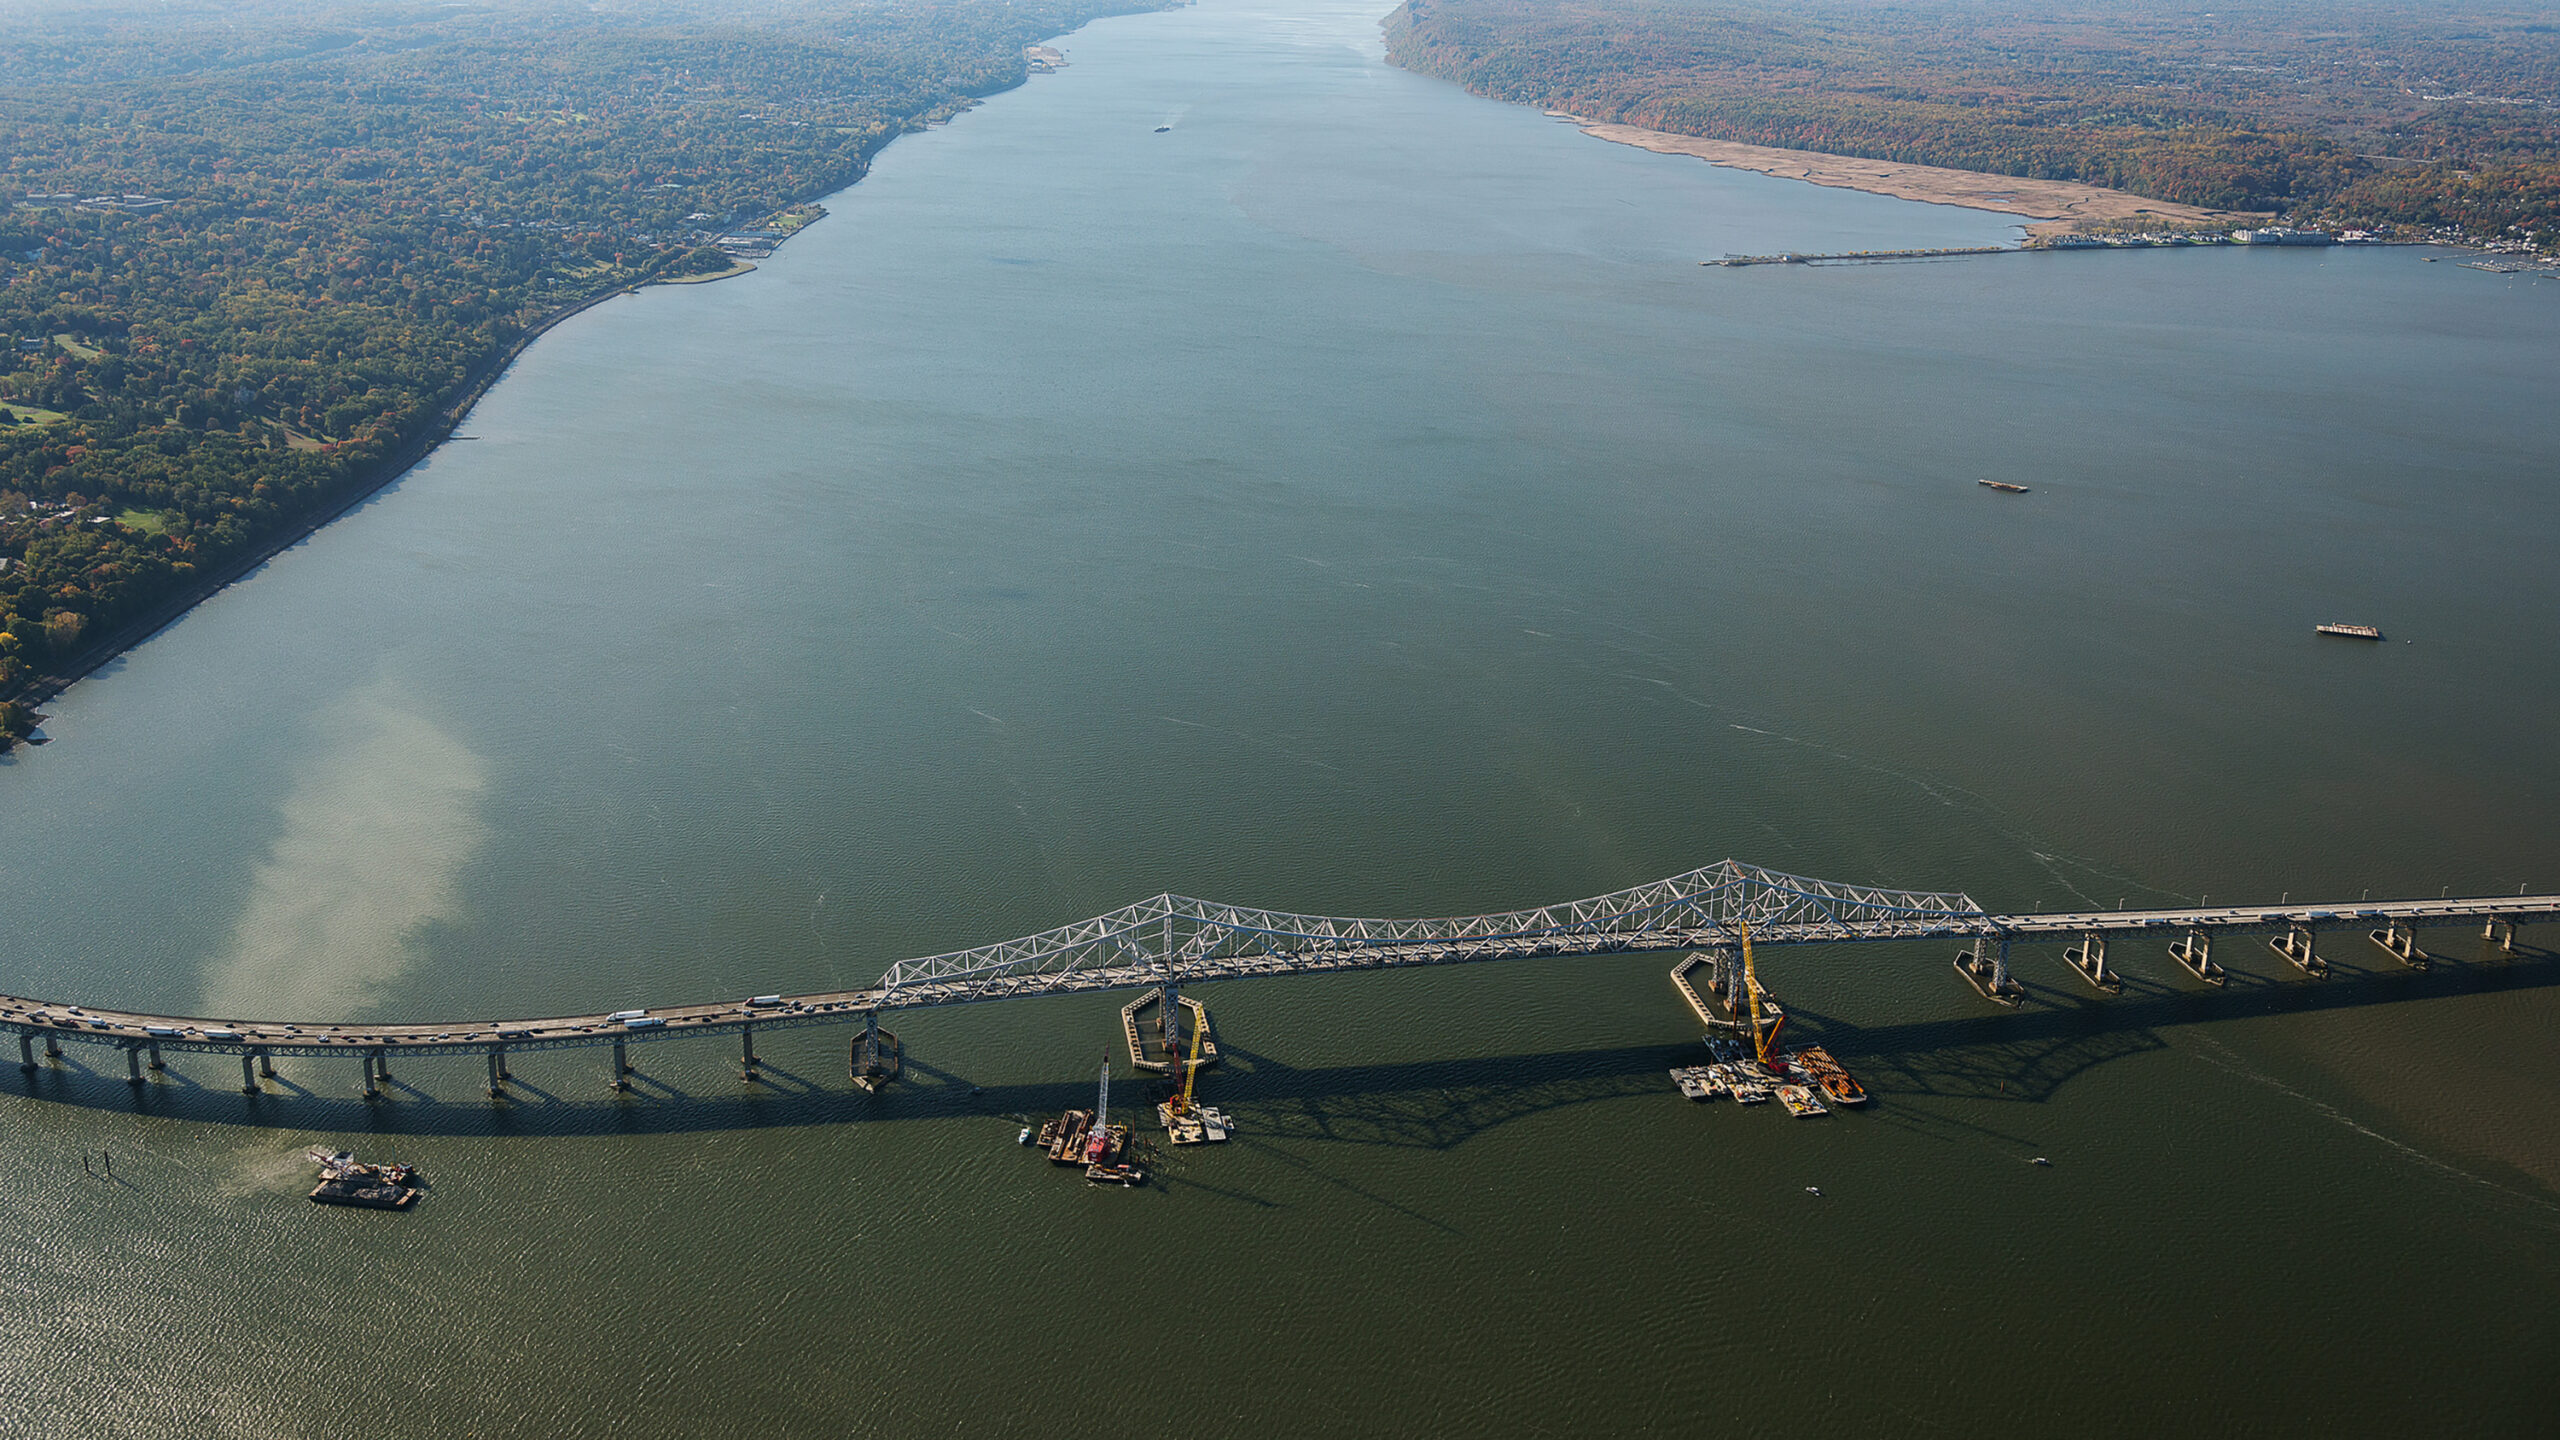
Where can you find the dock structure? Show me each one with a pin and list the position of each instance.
(1162, 944)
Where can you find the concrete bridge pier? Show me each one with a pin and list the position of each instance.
(2400, 942)
(1169, 1018)
(248, 1073)
(2089, 958)
(372, 1084)
(52, 1046)
(2500, 932)
(497, 1072)
(1724, 976)
(156, 1063)
(2195, 952)
(26, 1052)
(877, 1056)
(1986, 968)
(133, 1064)
(266, 1065)
(621, 1067)
(2295, 945)
(747, 1061)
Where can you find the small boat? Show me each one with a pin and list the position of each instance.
(1024, 1138)
(2003, 486)
(1162, 129)
(1115, 1175)
(2352, 632)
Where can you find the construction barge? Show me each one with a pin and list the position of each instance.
(345, 1180)
(1088, 1138)
(1756, 1071)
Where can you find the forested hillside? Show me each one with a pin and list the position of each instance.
(2420, 114)
(248, 251)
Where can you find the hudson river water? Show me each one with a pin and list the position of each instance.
(1355, 498)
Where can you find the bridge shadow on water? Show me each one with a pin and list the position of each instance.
(2018, 1056)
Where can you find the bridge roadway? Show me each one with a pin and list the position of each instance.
(1171, 939)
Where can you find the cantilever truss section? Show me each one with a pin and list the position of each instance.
(1174, 937)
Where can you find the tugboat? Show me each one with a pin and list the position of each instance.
(344, 1180)
(1115, 1175)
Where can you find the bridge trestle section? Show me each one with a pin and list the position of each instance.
(2194, 951)
(2088, 960)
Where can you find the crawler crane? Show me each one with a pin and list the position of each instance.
(1764, 1026)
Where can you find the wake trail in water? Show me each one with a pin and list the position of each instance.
(2233, 1064)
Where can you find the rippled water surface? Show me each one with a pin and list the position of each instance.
(1356, 499)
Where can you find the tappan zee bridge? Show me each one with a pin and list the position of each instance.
(1160, 945)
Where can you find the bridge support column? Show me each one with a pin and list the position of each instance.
(52, 1046)
(266, 1065)
(2400, 942)
(133, 1064)
(2089, 958)
(2500, 932)
(372, 1086)
(1986, 968)
(26, 1052)
(2195, 952)
(877, 1056)
(621, 1067)
(248, 1073)
(2295, 945)
(155, 1056)
(1726, 976)
(747, 1061)
(1169, 1019)
(497, 1072)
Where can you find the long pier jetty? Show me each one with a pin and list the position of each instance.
(1170, 941)
(1792, 258)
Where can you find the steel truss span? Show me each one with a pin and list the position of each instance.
(1174, 940)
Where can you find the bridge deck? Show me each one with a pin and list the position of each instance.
(1340, 945)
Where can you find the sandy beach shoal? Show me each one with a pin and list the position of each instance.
(2058, 206)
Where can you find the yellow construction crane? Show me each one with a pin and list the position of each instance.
(1764, 1033)
(1190, 1072)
